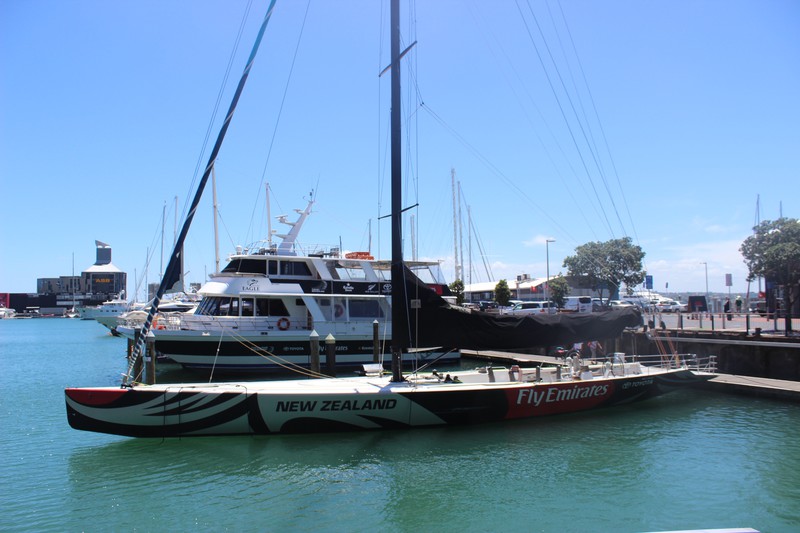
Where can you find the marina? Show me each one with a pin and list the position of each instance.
(720, 460)
(425, 414)
(420, 317)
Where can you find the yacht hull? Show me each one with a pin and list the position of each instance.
(314, 405)
(275, 352)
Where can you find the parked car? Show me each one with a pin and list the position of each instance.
(486, 305)
(618, 304)
(528, 308)
(759, 306)
(579, 304)
(670, 306)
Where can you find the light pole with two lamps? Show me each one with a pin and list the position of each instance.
(547, 282)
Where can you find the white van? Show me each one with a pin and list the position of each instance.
(527, 308)
(578, 304)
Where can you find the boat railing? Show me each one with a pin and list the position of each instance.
(171, 321)
(550, 374)
(706, 363)
(691, 361)
(306, 249)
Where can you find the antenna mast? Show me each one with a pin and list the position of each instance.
(455, 224)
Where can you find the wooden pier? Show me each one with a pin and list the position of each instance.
(778, 389)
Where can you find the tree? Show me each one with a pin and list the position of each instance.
(502, 294)
(457, 288)
(773, 253)
(606, 265)
(558, 289)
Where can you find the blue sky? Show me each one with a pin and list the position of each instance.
(690, 108)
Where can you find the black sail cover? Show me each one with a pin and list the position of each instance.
(436, 323)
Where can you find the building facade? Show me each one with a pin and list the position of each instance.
(100, 282)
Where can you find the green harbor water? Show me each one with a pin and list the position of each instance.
(687, 460)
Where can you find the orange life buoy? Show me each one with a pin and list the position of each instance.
(338, 310)
(283, 324)
(157, 324)
(358, 255)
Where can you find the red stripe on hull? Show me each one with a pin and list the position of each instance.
(543, 400)
(95, 396)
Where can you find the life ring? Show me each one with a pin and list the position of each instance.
(338, 310)
(283, 324)
(359, 255)
(157, 324)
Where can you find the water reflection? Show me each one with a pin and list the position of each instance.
(687, 450)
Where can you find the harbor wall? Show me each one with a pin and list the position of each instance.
(765, 356)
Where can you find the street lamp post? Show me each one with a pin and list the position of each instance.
(706, 265)
(547, 282)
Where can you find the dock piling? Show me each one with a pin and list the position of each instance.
(314, 341)
(376, 352)
(330, 355)
(150, 359)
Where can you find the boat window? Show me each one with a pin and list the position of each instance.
(294, 268)
(247, 306)
(271, 307)
(252, 266)
(247, 266)
(365, 309)
(218, 306)
(212, 306)
(203, 306)
(343, 272)
(233, 266)
(325, 307)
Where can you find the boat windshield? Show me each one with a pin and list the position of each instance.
(272, 267)
(227, 306)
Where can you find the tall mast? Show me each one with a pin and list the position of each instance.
(216, 212)
(455, 222)
(181, 286)
(163, 222)
(269, 219)
(175, 224)
(174, 269)
(460, 235)
(399, 320)
(413, 227)
(72, 281)
(469, 245)
(758, 221)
